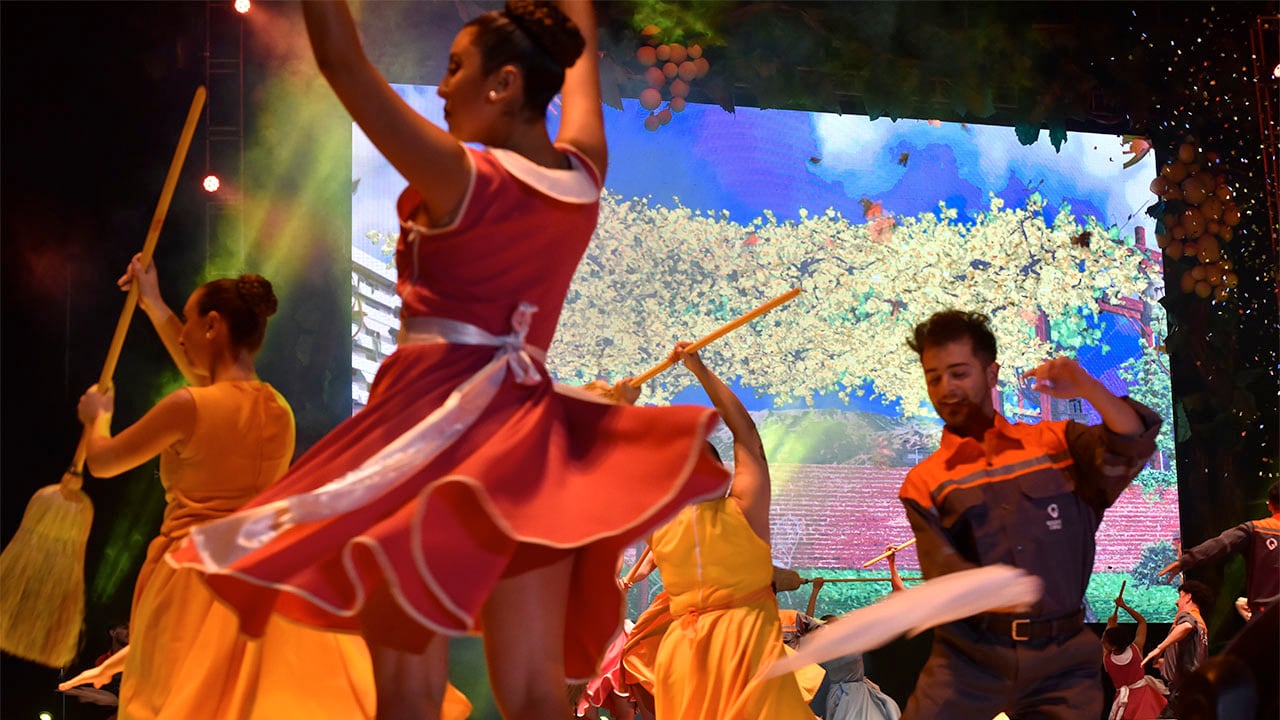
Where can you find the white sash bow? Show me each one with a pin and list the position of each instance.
(222, 542)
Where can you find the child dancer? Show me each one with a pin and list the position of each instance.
(1138, 695)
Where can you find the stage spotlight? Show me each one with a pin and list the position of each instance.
(242, 6)
(211, 183)
(1276, 72)
(45, 715)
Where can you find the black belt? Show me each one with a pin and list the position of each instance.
(1023, 629)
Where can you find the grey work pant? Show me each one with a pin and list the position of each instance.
(971, 677)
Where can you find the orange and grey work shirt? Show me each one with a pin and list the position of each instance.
(795, 625)
(1259, 542)
(1030, 496)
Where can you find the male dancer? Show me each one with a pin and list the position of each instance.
(1030, 496)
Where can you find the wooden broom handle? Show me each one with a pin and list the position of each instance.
(887, 553)
(148, 247)
(719, 333)
(631, 574)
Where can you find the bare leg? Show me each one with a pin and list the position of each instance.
(101, 674)
(410, 686)
(524, 642)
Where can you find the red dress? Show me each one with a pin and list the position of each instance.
(1137, 696)
(435, 495)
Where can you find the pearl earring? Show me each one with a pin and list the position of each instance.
(493, 94)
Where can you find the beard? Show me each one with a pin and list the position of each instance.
(964, 416)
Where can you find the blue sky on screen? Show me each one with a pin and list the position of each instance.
(755, 159)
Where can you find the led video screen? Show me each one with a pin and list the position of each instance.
(880, 223)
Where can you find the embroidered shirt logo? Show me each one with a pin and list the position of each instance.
(1053, 523)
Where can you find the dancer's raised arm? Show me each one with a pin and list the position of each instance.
(1140, 633)
(812, 607)
(750, 469)
(581, 113)
(167, 324)
(433, 161)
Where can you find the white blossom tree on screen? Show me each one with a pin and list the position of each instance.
(655, 274)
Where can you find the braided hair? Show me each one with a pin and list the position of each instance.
(536, 37)
(244, 303)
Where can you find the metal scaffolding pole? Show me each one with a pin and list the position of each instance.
(224, 134)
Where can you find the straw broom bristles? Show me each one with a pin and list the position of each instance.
(42, 596)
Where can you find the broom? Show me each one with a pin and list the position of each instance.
(42, 568)
(718, 333)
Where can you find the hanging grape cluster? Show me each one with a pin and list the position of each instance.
(669, 69)
(1196, 219)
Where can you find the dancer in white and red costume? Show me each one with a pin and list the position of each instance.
(441, 508)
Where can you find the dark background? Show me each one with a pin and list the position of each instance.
(93, 96)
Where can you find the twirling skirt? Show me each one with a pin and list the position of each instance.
(538, 475)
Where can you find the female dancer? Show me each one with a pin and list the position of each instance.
(221, 441)
(849, 694)
(1138, 695)
(716, 570)
(440, 508)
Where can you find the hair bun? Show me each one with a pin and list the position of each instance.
(548, 28)
(256, 293)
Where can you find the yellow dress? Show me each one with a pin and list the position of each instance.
(186, 659)
(724, 621)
